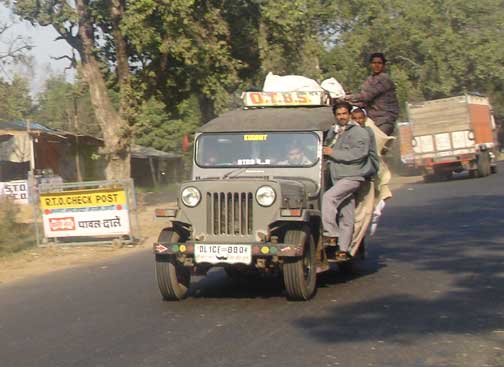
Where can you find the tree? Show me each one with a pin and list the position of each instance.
(64, 105)
(15, 100)
(435, 48)
(77, 26)
(16, 49)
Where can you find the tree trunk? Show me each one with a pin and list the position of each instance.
(114, 128)
(207, 108)
(116, 13)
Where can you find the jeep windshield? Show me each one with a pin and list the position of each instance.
(271, 149)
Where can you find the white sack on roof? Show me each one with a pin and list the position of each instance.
(333, 87)
(290, 83)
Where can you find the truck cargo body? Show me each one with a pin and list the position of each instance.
(453, 134)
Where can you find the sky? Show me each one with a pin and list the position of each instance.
(44, 47)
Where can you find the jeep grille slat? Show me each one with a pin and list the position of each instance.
(229, 213)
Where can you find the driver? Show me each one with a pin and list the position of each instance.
(295, 157)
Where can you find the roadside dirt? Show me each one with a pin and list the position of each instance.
(43, 260)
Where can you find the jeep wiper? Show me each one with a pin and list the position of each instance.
(234, 172)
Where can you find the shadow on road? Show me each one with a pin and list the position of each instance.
(218, 285)
(458, 239)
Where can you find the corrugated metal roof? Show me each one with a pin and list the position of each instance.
(23, 126)
(138, 151)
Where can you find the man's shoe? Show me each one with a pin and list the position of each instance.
(343, 255)
(329, 241)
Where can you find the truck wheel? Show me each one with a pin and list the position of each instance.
(483, 164)
(173, 278)
(300, 274)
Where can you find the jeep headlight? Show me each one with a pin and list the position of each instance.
(265, 195)
(191, 196)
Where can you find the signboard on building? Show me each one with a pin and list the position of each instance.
(16, 190)
(78, 213)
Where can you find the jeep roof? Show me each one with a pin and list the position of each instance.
(272, 119)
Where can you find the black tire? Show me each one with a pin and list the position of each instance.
(173, 278)
(300, 274)
(483, 164)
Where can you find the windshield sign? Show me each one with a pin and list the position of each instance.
(257, 149)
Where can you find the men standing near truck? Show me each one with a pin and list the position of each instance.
(347, 153)
(378, 96)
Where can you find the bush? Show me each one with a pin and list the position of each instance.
(14, 236)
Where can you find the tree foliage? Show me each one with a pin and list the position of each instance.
(436, 48)
(15, 100)
(66, 106)
(172, 65)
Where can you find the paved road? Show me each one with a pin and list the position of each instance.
(431, 293)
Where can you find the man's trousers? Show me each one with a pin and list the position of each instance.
(339, 201)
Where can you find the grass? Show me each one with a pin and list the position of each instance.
(14, 236)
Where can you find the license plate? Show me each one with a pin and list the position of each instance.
(229, 254)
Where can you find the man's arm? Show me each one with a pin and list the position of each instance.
(382, 85)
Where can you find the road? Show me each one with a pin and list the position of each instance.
(430, 293)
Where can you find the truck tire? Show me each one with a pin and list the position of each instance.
(483, 164)
(300, 274)
(173, 278)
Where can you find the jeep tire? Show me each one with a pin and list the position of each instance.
(300, 273)
(173, 278)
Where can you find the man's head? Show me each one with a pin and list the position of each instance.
(341, 111)
(359, 116)
(295, 155)
(377, 62)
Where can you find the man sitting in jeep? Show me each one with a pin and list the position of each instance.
(295, 157)
(347, 153)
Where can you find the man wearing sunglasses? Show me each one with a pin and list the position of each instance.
(378, 96)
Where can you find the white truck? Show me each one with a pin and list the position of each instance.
(452, 135)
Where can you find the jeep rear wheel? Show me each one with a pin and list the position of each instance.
(173, 278)
(299, 274)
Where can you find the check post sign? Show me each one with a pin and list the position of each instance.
(102, 212)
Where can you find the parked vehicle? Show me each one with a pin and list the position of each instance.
(452, 135)
(248, 208)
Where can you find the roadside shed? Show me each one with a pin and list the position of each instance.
(151, 167)
(26, 146)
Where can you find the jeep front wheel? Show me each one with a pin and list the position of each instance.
(173, 278)
(299, 274)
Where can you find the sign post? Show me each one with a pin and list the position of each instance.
(98, 213)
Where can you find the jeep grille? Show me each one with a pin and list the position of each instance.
(229, 213)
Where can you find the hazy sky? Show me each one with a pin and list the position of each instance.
(44, 47)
